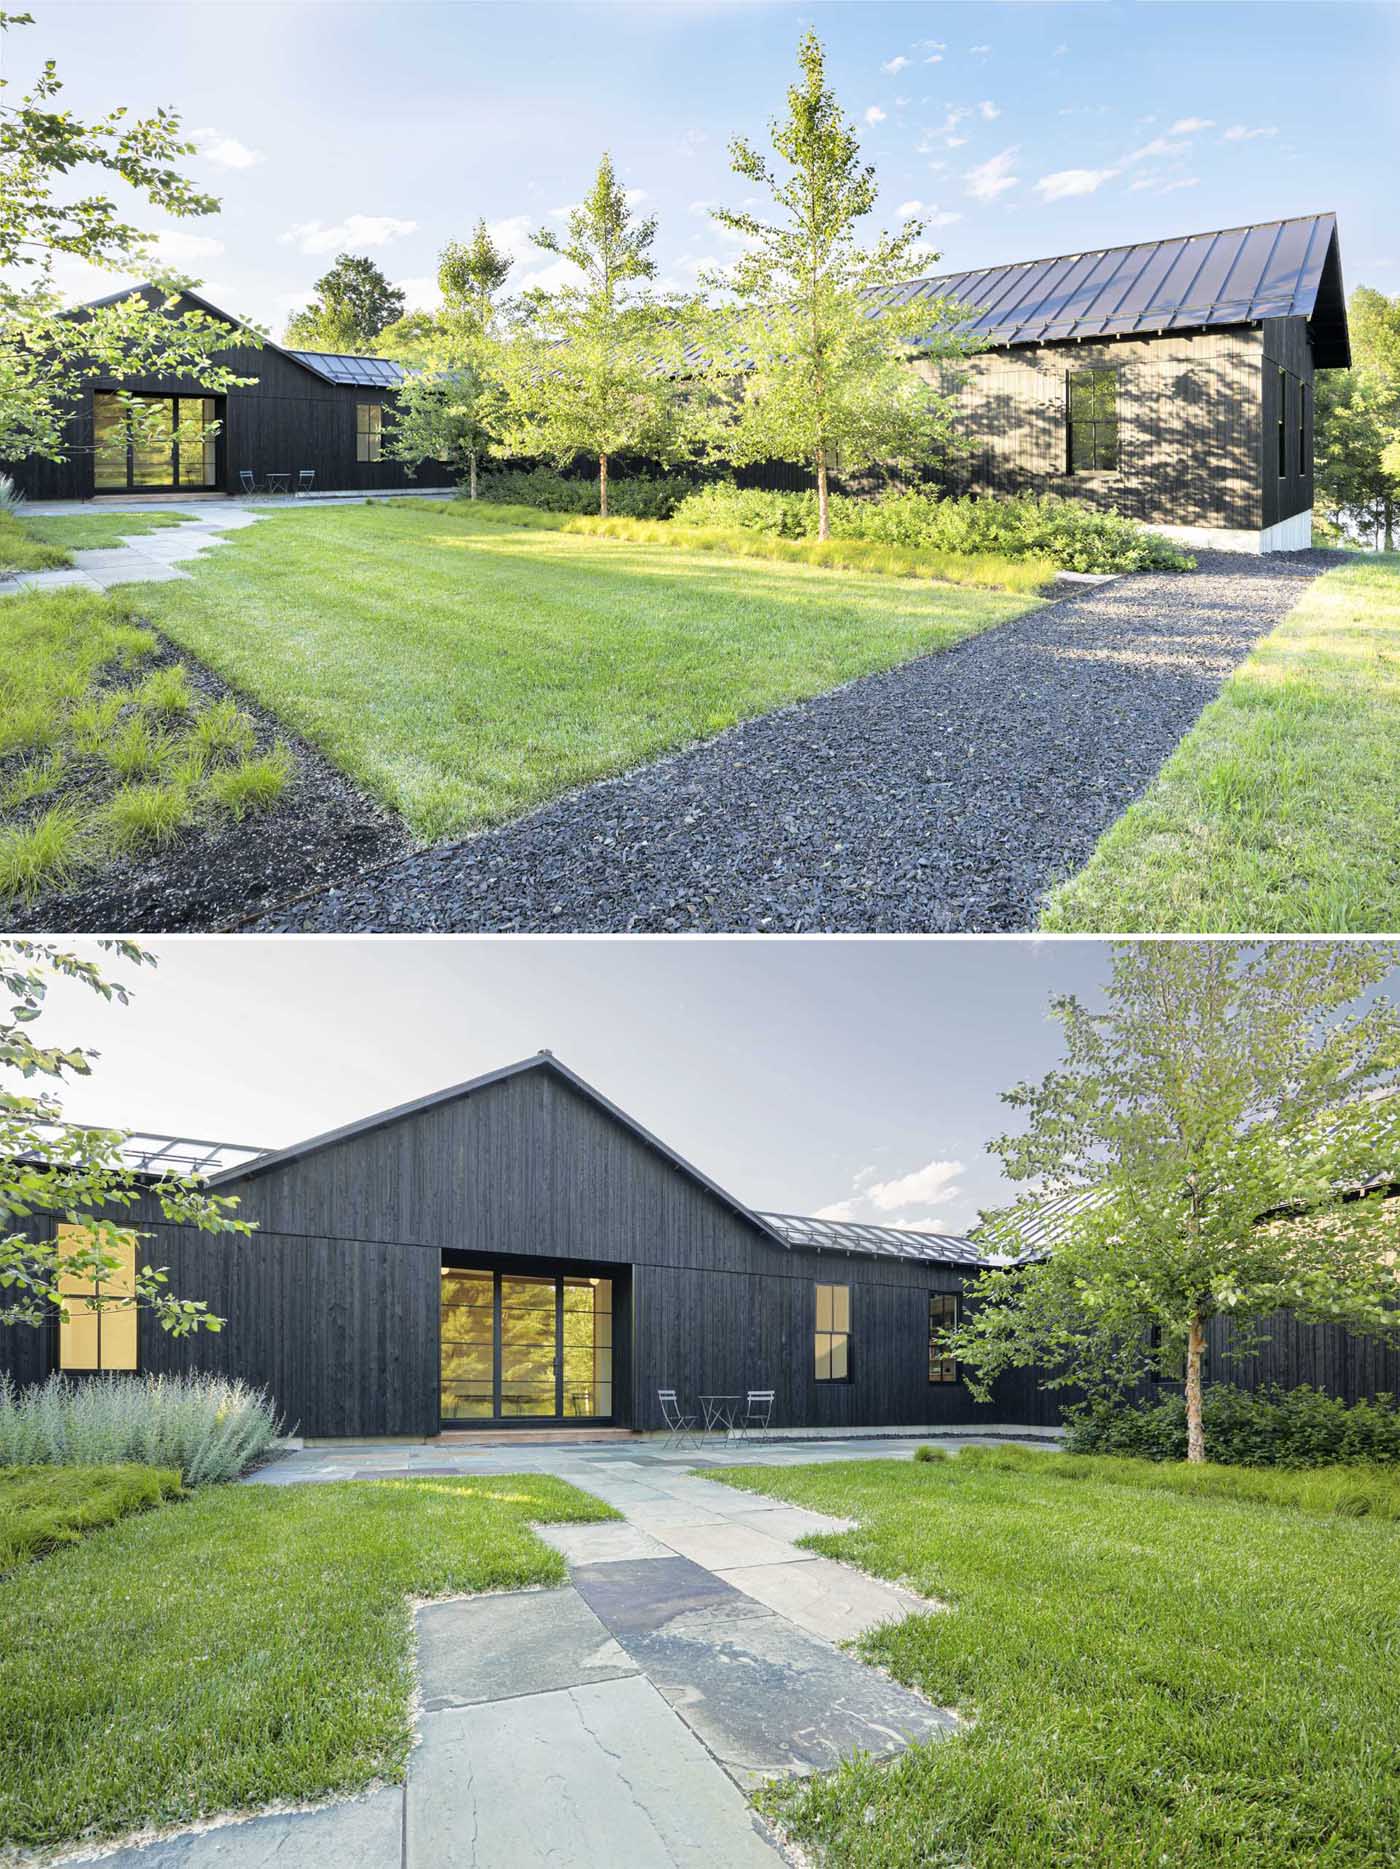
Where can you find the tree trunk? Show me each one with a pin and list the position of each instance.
(823, 503)
(1195, 1352)
(1389, 526)
(472, 460)
(602, 486)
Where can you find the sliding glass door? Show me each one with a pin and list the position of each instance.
(169, 450)
(524, 1348)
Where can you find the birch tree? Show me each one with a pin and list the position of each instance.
(1231, 1119)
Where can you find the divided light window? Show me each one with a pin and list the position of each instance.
(833, 1335)
(942, 1317)
(1282, 424)
(1302, 428)
(93, 1336)
(368, 417)
(1092, 409)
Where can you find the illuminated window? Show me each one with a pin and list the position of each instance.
(942, 1317)
(368, 416)
(833, 1334)
(91, 1337)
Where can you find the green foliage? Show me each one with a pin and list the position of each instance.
(1357, 429)
(45, 853)
(1265, 1427)
(221, 733)
(252, 785)
(925, 1453)
(470, 274)
(639, 496)
(1070, 535)
(1145, 1679)
(36, 779)
(138, 748)
(1211, 1112)
(442, 416)
(91, 532)
(209, 1428)
(818, 379)
(984, 571)
(167, 691)
(146, 816)
(76, 1174)
(253, 1647)
(45, 1508)
(353, 304)
(21, 546)
(592, 368)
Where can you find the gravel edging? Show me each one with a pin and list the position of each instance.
(322, 830)
(946, 795)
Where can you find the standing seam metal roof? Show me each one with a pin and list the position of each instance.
(884, 1242)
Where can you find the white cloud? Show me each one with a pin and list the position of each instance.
(838, 1210)
(928, 212)
(954, 142)
(1188, 126)
(929, 1186)
(634, 197)
(1067, 182)
(989, 110)
(895, 65)
(701, 207)
(1157, 186)
(934, 58)
(225, 152)
(1159, 146)
(1238, 133)
(513, 236)
(874, 115)
(993, 177)
(174, 246)
(356, 230)
(979, 50)
(930, 45)
(420, 293)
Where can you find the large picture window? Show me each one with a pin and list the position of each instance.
(1092, 410)
(833, 1333)
(525, 1346)
(368, 418)
(92, 1336)
(942, 1317)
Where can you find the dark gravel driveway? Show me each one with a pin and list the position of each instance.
(948, 794)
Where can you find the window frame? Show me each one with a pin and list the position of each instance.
(948, 1319)
(830, 1336)
(369, 433)
(1282, 423)
(123, 1319)
(1302, 429)
(1111, 373)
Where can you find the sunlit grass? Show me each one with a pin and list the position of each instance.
(1277, 813)
(464, 667)
(90, 532)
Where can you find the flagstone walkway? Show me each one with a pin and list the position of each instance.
(622, 1718)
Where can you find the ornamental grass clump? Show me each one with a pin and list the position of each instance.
(207, 1427)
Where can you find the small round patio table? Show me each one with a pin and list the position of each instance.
(279, 483)
(719, 1412)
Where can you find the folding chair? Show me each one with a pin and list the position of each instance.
(758, 1412)
(247, 480)
(680, 1428)
(306, 480)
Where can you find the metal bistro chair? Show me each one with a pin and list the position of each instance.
(679, 1428)
(758, 1413)
(247, 480)
(306, 480)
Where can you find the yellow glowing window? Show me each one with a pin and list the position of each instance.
(91, 1337)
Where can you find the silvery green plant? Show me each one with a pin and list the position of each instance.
(209, 1427)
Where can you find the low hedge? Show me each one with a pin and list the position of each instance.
(43, 1508)
(630, 496)
(1265, 1427)
(208, 1428)
(1074, 537)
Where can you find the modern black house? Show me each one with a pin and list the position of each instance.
(518, 1252)
(306, 410)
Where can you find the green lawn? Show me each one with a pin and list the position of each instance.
(1150, 1680)
(463, 670)
(43, 1508)
(1277, 813)
(249, 1645)
(90, 532)
(21, 549)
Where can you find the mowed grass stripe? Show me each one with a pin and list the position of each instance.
(1277, 813)
(463, 671)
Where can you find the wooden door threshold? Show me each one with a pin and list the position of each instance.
(538, 1437)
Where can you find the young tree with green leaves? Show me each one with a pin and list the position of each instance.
(592, 368)
(1220, 1117)
(470, 275)
(442, 415)
(1357, 438)
(53, 1168)
(800, 370)
(47, 353)
(353, 304)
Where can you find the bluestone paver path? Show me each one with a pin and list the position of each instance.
(947, 794)
(623, 1718)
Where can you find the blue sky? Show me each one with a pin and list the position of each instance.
(859, 1077)
(1022, 129)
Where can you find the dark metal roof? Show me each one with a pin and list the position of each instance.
(1037, 1228)
(1238, 275)
(884, 1242)
(340, 367)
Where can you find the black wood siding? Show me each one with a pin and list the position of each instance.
(1287, 347)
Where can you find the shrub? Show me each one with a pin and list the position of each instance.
(43, 1508)
(207, 1427)
(253, 784)
(635, 496)
(1343, 1492)
(926, 1452)
(1075, 537)
(1266, 1427)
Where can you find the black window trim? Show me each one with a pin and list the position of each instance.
(1110, 370)
(1282, 423)
(954, 1299)
(832, 1335)
(369, 433)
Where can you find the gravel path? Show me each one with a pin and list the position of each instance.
(948, 794)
